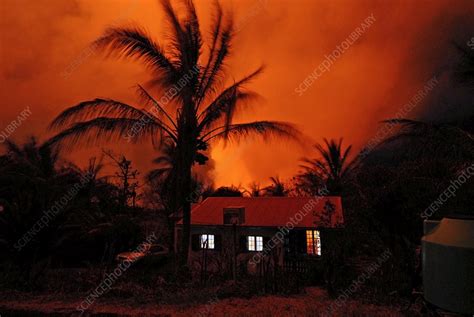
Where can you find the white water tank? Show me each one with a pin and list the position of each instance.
(448, 264)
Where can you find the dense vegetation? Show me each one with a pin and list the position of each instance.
(93, 214)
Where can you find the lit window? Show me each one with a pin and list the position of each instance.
(259, 243)
(255, 243)
(207, 241)
(313, 242)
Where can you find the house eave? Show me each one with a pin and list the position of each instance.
(256, 227)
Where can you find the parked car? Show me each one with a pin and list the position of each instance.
(150, 250)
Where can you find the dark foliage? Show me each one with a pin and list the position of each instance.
(224, 191)
(54, 214)
(198, 110)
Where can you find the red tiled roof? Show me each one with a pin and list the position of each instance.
(272, 211)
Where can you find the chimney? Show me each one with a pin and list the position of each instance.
(234, 215)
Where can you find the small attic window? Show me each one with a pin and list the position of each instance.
(231, 218)
(234, 215)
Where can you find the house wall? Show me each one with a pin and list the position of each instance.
(220, 259)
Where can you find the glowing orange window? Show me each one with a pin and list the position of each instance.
(313, 242)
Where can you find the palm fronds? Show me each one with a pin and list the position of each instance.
(217, 60)
(159, 109)
(226, 102)
(190, 82)
(96, 108)
(277, 188)
(135, 43)
(416, 128)
(265, 129)
(332, 167)
(106, 129)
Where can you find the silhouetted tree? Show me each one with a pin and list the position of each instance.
(255, 190)
(53, 213)
(31, 182)
(332, 168)
(277, 188)
(225, 191)
(457, 137)
(162, 181)
(127, 183)
(394, 187)
(193, 110)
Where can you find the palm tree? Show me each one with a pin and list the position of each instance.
(460, 131)
(308, 182)
(164, 162)
(35, 159)
(332, 168)
(162, 181)
(227, 191)
(254, 190)
(277, 188)
(31, 181)
(455, 138)
(193, 110)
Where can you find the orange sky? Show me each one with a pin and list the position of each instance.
(407, 44)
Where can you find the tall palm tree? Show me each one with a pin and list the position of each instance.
(162, 180)
(192, 110)
(331, 168)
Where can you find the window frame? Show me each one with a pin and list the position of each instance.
(257, 243)
(211, 243)
(313, 242)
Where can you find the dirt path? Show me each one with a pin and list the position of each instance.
(313, 303)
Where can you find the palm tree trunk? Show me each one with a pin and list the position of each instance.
(186, 231)
(186, 205)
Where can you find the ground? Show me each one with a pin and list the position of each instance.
(311, 303)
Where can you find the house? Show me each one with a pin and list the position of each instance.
(245, 229)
